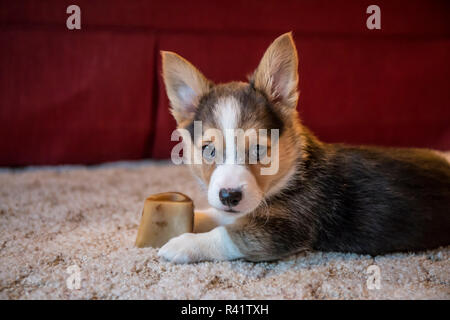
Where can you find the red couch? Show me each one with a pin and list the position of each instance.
(95, 94)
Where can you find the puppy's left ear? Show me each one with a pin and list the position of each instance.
(277, 73)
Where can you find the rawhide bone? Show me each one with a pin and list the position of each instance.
(165, 215)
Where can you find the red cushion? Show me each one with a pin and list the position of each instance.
(75, 97)
(348, 17)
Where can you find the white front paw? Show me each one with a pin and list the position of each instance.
(181, 249)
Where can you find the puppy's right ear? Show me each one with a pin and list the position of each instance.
(185, 85)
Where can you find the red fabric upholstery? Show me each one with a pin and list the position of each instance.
(96, 95)
(75, 98)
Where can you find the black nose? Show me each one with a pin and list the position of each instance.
(230, 197)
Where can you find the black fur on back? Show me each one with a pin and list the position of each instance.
(367, 200)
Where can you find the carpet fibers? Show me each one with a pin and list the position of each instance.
(55, 221)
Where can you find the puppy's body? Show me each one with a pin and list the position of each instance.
(383, 200)
(323, 197)
(356, 199)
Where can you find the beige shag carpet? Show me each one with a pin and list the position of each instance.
(57, 217)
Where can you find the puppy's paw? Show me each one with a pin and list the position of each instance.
(181, 249)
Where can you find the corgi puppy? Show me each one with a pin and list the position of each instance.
(321, 196)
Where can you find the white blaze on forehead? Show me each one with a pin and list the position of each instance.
(227, 116)
(227, 112)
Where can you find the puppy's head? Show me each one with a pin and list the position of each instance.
(216, 116)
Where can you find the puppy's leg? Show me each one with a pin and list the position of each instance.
(189, 247)
(253, 238)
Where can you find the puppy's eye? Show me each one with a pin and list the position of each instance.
(209, 151)
(259, 152)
